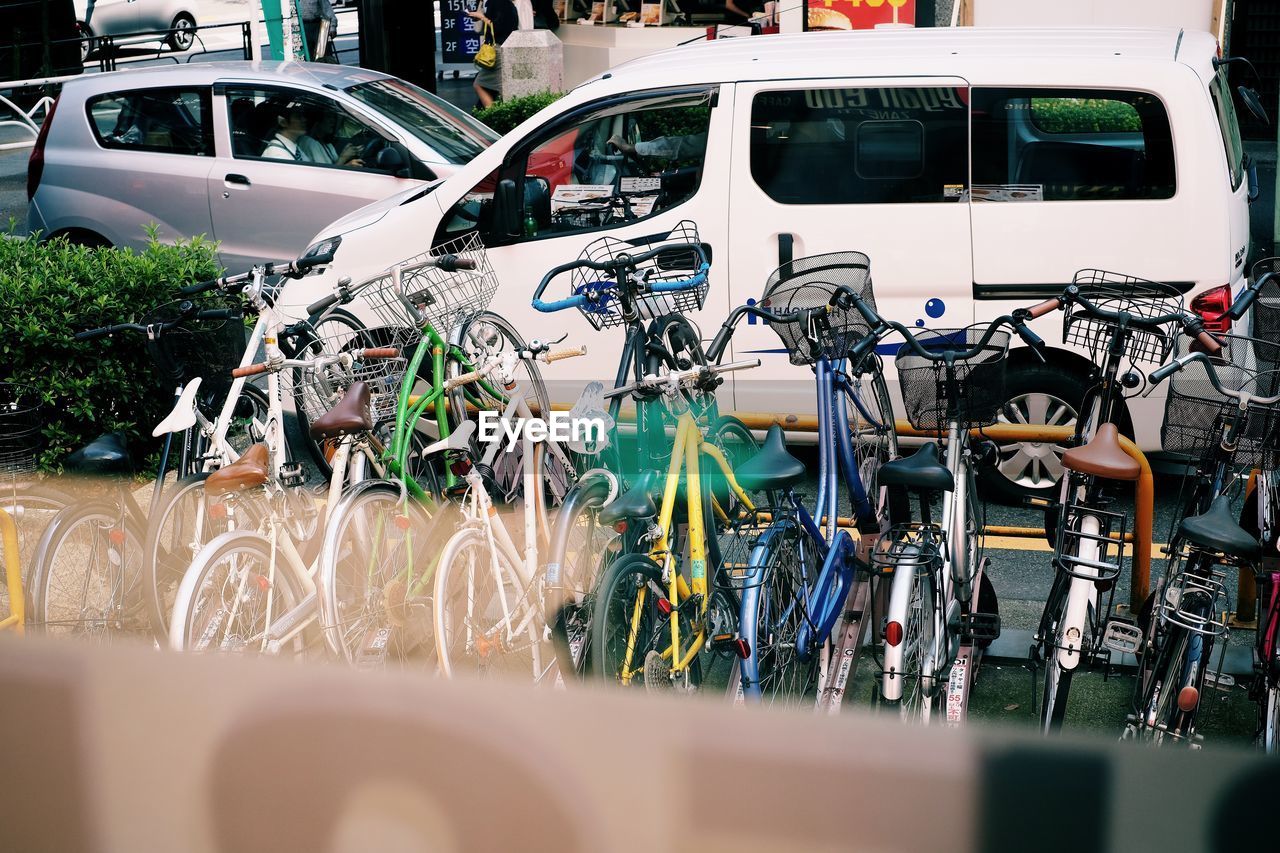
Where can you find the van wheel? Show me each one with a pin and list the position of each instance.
(1034, 394)
(184, 32)
(83, 237)
(86, 40)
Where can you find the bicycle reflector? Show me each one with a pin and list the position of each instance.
(1212, 307)
(1188, 698)
(893, 633)
(664, 604)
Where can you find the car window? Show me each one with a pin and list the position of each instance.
(623, 162)
(451, 133)
(170, 121)
(1070, 145)
(298, 127)
(884, 145)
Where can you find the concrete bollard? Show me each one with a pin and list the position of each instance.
(532, 62)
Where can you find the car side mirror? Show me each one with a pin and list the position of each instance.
(506, 210)
(1253, 103)
(390, 160)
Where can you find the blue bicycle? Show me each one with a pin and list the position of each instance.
(799, 566)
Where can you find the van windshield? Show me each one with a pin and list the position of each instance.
(453, 134)
(1228, 125)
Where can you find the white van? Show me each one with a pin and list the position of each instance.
(978, 168)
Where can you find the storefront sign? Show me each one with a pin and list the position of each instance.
(459, 35)
(858, 14)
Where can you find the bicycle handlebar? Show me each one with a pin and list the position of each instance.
(619, 265)
(288, 269)
(355, 355)
(682, 377)
(187, 312)
(1162, 373)
(496, 362)
(1250, 293)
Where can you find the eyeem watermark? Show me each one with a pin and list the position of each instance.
(562, 428)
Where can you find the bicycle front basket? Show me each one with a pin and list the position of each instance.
(414, 293)
(810, 283)
(970, 393)
(20, 421)
(207, 348)
(1118, 292)
(1194, 411)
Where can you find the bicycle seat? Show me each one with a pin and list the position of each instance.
(922, 470)
(635, 502)
(246, 472)
(351, 414)
(106, 454)
(1103, 457)
(772, 467)
(1218, 530)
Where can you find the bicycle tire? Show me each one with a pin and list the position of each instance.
(367, 612)
(868, 461)
(194, 625)
(32, 507)
(322, 329)
(731, 436)
(581, 550)
(89, 549)
(1057, 687)
(919, 641)
(1270, 728)
(772, 608)
(465, 579)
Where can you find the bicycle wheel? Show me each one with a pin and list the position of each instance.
(738, 445)
(87, 580)
(32, 507)
(485, 621)
(377, 552)
(229, 599)
(478, 337)
(875, 440)
(336, 330)
(921, 651)
(1269, 735)
(772, 611)
(581, 550)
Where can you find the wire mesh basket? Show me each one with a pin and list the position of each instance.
(810, 282)
(1266, 309)
(969, 392)
(207, 348)
(1195, 413)
(19, 429)
(1122, 293)
(317, 391)
(414, 292)
(678, 264)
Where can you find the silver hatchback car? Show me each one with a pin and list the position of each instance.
(256, 155)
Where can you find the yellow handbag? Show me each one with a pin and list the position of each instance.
(487, 56)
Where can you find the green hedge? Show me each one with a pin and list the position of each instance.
(1084, 115)
(52, 290)
(503, 116)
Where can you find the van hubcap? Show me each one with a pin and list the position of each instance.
(1034, 464)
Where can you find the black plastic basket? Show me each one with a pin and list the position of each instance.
(19, 429)
(1118, 292)
(675, 265)
(207, 348)
(1194, 411)
(810, 283)
(969, 392)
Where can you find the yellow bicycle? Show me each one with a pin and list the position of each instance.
(652, 624)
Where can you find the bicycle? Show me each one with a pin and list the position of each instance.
(252, 589)
(1222, 412)
(643, 597)
(1117, 318)
(89, 572)
(646, 286)
(490, 592)
(793, 570)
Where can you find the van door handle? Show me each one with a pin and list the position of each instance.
(237, 179)
(786, 248)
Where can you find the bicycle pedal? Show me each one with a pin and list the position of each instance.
(1123, 637)
(731, 644)
(291, 475)
(373, 648)
(980, 626)
(657, 672)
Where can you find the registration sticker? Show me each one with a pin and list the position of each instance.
(956, 690)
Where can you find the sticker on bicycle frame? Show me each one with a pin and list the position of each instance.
(553, 574)
(699, 569)
(955, 691)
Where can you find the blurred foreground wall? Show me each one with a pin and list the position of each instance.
(128, 749)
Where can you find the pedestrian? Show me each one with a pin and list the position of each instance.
(313, 12)
(544, 15)
(501, 16)
(290, 127)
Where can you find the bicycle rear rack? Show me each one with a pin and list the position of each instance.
(1183, 602)
(1109, 541)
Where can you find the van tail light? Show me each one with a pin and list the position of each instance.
(35, 165)
(1212, 306)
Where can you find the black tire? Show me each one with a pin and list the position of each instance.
(877, 445)
(1024, 470)
(185, 35)
(334, 326)
(571, 599)
(32, 508)
(776, 612)
(611, 622)
(1057, 687)
(736, 442)
(87, 45)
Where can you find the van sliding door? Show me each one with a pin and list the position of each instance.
(878, 166)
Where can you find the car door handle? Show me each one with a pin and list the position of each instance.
(237, 179)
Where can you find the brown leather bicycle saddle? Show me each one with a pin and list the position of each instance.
(351, 414)
(1103, 456)
(246, 472)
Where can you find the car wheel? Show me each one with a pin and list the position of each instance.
(184, 32)
(86, 40)
(1034, 394)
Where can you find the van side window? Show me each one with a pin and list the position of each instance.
(170, 121)
(1070, 145)
(620, 163)
(905, 145)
